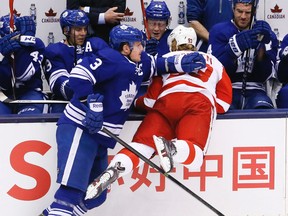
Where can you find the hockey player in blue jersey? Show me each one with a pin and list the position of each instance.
(247, 53)
(202, 15)
(104, 88)
(61, 57)
(21, 56)
(158, 19)
(282, 74)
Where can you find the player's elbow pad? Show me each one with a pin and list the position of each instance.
(66, 91)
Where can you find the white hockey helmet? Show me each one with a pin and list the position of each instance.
(182, 35)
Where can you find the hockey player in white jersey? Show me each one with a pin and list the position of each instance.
(104, 88)
(61, 57)
(182, 107)
(21, 56)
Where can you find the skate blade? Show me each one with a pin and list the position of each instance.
(91, 192)
(164, 161)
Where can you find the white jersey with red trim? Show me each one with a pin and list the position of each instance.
(211, 81)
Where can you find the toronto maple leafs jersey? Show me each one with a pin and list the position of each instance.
(115, 77)
(282, 66)
(59, 61)
(258, 71)
(162, 47)
(27, 68)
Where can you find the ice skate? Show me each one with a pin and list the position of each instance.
(103, 181)
(166, 149)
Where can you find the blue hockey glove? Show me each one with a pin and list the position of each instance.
(9, 43)
(93, 120)
(27, 28)
(151, 46)
(247, 39)
(264, 29)
(191, 62)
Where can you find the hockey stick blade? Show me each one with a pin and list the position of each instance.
(5, 99)
(149, 162)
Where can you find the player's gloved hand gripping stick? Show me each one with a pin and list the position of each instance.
(24, 35)
(151, 46)
(27, 28)
(9, 44)
(264, 29)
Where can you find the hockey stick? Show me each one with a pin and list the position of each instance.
(149, 162)
(11, 8)
(145, 22)
(199, 44)
(5, 99)
(12, 60)
(247, 61)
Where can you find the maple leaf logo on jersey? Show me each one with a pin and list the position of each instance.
(128, 96)
(138, 70)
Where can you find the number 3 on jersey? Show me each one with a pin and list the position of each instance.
(96, 64)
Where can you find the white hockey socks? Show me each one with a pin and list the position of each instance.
(128, 162)
(189, 155)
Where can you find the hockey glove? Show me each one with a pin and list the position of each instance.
(247, 39)
(151, 46)
(191, 62)
(9, 43)
(93, 120)
(264, 29)
(27, 28)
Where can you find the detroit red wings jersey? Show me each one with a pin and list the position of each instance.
(212, 81)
